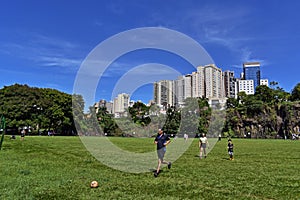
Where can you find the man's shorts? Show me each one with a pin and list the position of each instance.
(161, 153)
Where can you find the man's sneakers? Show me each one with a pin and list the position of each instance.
(156, 174)
(169, 165)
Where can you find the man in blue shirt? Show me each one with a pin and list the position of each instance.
(161, 141)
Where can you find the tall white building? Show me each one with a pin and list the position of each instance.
(179, 91)
(188, 86)
(121, 103)
(214, 84)
(183, 88)
(206, 82)
(198, 83)
(164, 92)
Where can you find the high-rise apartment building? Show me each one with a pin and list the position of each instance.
(214, 84)
(198, 83)
(182, 89)
(206, 82)
(188, 86)
(230, 84)
(179, 91)
(163, 92)
(121, 103)
(252, 72)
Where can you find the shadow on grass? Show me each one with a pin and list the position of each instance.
(154, 170)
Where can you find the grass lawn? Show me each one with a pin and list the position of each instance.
(61, 168)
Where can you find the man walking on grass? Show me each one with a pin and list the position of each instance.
(161, 141)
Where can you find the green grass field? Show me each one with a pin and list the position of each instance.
(61, 168)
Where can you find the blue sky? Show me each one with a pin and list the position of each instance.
(43, 43)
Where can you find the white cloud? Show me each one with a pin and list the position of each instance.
(216, 24)
(45, 50)
(58, 61)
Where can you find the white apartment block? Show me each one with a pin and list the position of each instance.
(163, 92)
(104, 104)
(121, 103)
(264, 82)
(179, 91)
(183, 89)
(214, 84)
(187, 86)
(246, 86)
(109, 107)
(206, 82)
(198, 84)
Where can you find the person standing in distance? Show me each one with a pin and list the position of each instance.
(230, 149)
(23, 134)
(161, 141)
(203, 143)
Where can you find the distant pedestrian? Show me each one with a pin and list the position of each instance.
(220, 137)
(186, 137)
(161, 141)
(230, 149)
(203, 144)
(23, 134)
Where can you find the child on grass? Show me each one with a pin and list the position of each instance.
(230, 149)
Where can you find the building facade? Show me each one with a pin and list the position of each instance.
(264, 82)
(198, 83)
(120, 105)
(179, 91)
(214, 84)
(230, 84)
(252, 72)
(164, 93)
(246, 86)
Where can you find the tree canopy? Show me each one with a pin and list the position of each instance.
(38, 109)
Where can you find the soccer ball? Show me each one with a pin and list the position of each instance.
(94, 184)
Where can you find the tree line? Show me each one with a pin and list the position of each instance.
(270, 112)
(38, 110)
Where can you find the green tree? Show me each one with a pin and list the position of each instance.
(241, 97)
(195, 116)
(172, 121)
(38, 108)
(78, 113)
(264, 93)
(231, 103)
(295, 96)
(107, 122)
(273, 84)
(139, 113)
